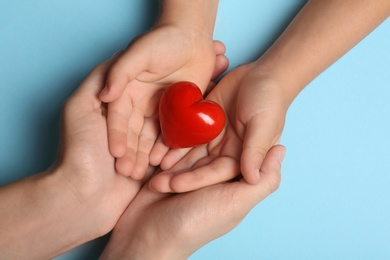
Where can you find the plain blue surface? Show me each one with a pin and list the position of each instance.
(334, 199)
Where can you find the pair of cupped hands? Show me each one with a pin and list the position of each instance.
(171, 200)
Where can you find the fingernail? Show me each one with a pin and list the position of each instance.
(104, 91)
(281, 155)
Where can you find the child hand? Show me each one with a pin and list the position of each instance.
(153, 61)
(256, 110)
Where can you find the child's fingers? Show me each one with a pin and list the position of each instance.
(118, 116)
(183, 159)
(219, 170)
(219, 47)
(158, 152)
(172, 157)
(125, 164)
(124, 70)
(146, 140)
(141, 163)
(221, 65)
(221, 61)
(161, 182)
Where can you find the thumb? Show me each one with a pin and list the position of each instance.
(129, 65)
(93, 83)
(260, 135)
(270, 178)
(85, 99)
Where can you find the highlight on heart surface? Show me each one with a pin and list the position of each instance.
(186, 119)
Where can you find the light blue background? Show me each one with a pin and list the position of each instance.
(334, 199)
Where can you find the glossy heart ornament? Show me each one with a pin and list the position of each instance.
(186, 119)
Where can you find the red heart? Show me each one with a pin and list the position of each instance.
(187, 119)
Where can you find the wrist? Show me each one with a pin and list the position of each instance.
(196, 17)
(142, 241)
(260, 76)
(288, 85)
(76, 212)
(43, 218)
(84, 200)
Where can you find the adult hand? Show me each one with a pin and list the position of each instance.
(85, 162)
(173, 226)
(256, 110)
(80, 198)
(176, 49)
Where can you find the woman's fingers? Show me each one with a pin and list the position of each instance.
(270, 177)
(125, 164)
(127, 67)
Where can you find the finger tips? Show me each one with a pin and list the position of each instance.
(221, 65)
(157, 154)
(124, 165)
(270, 176)
(185, 182)
(271, 168)
(161, 183)
(117, 122)
(166, 164)
(258, 139)
(140, 167)
(219, 47)
(273, 161)
(117, 143)
(116, 81)
(269, 173)
(118, 76)
(172, 157)
(250, 166)
(96, 79)
(104, 66)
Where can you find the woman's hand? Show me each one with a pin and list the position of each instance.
(174, 226)
(80, 197)
(84, 160)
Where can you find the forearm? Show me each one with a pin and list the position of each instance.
(198, 15)
(321, 33)
(40, 217)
